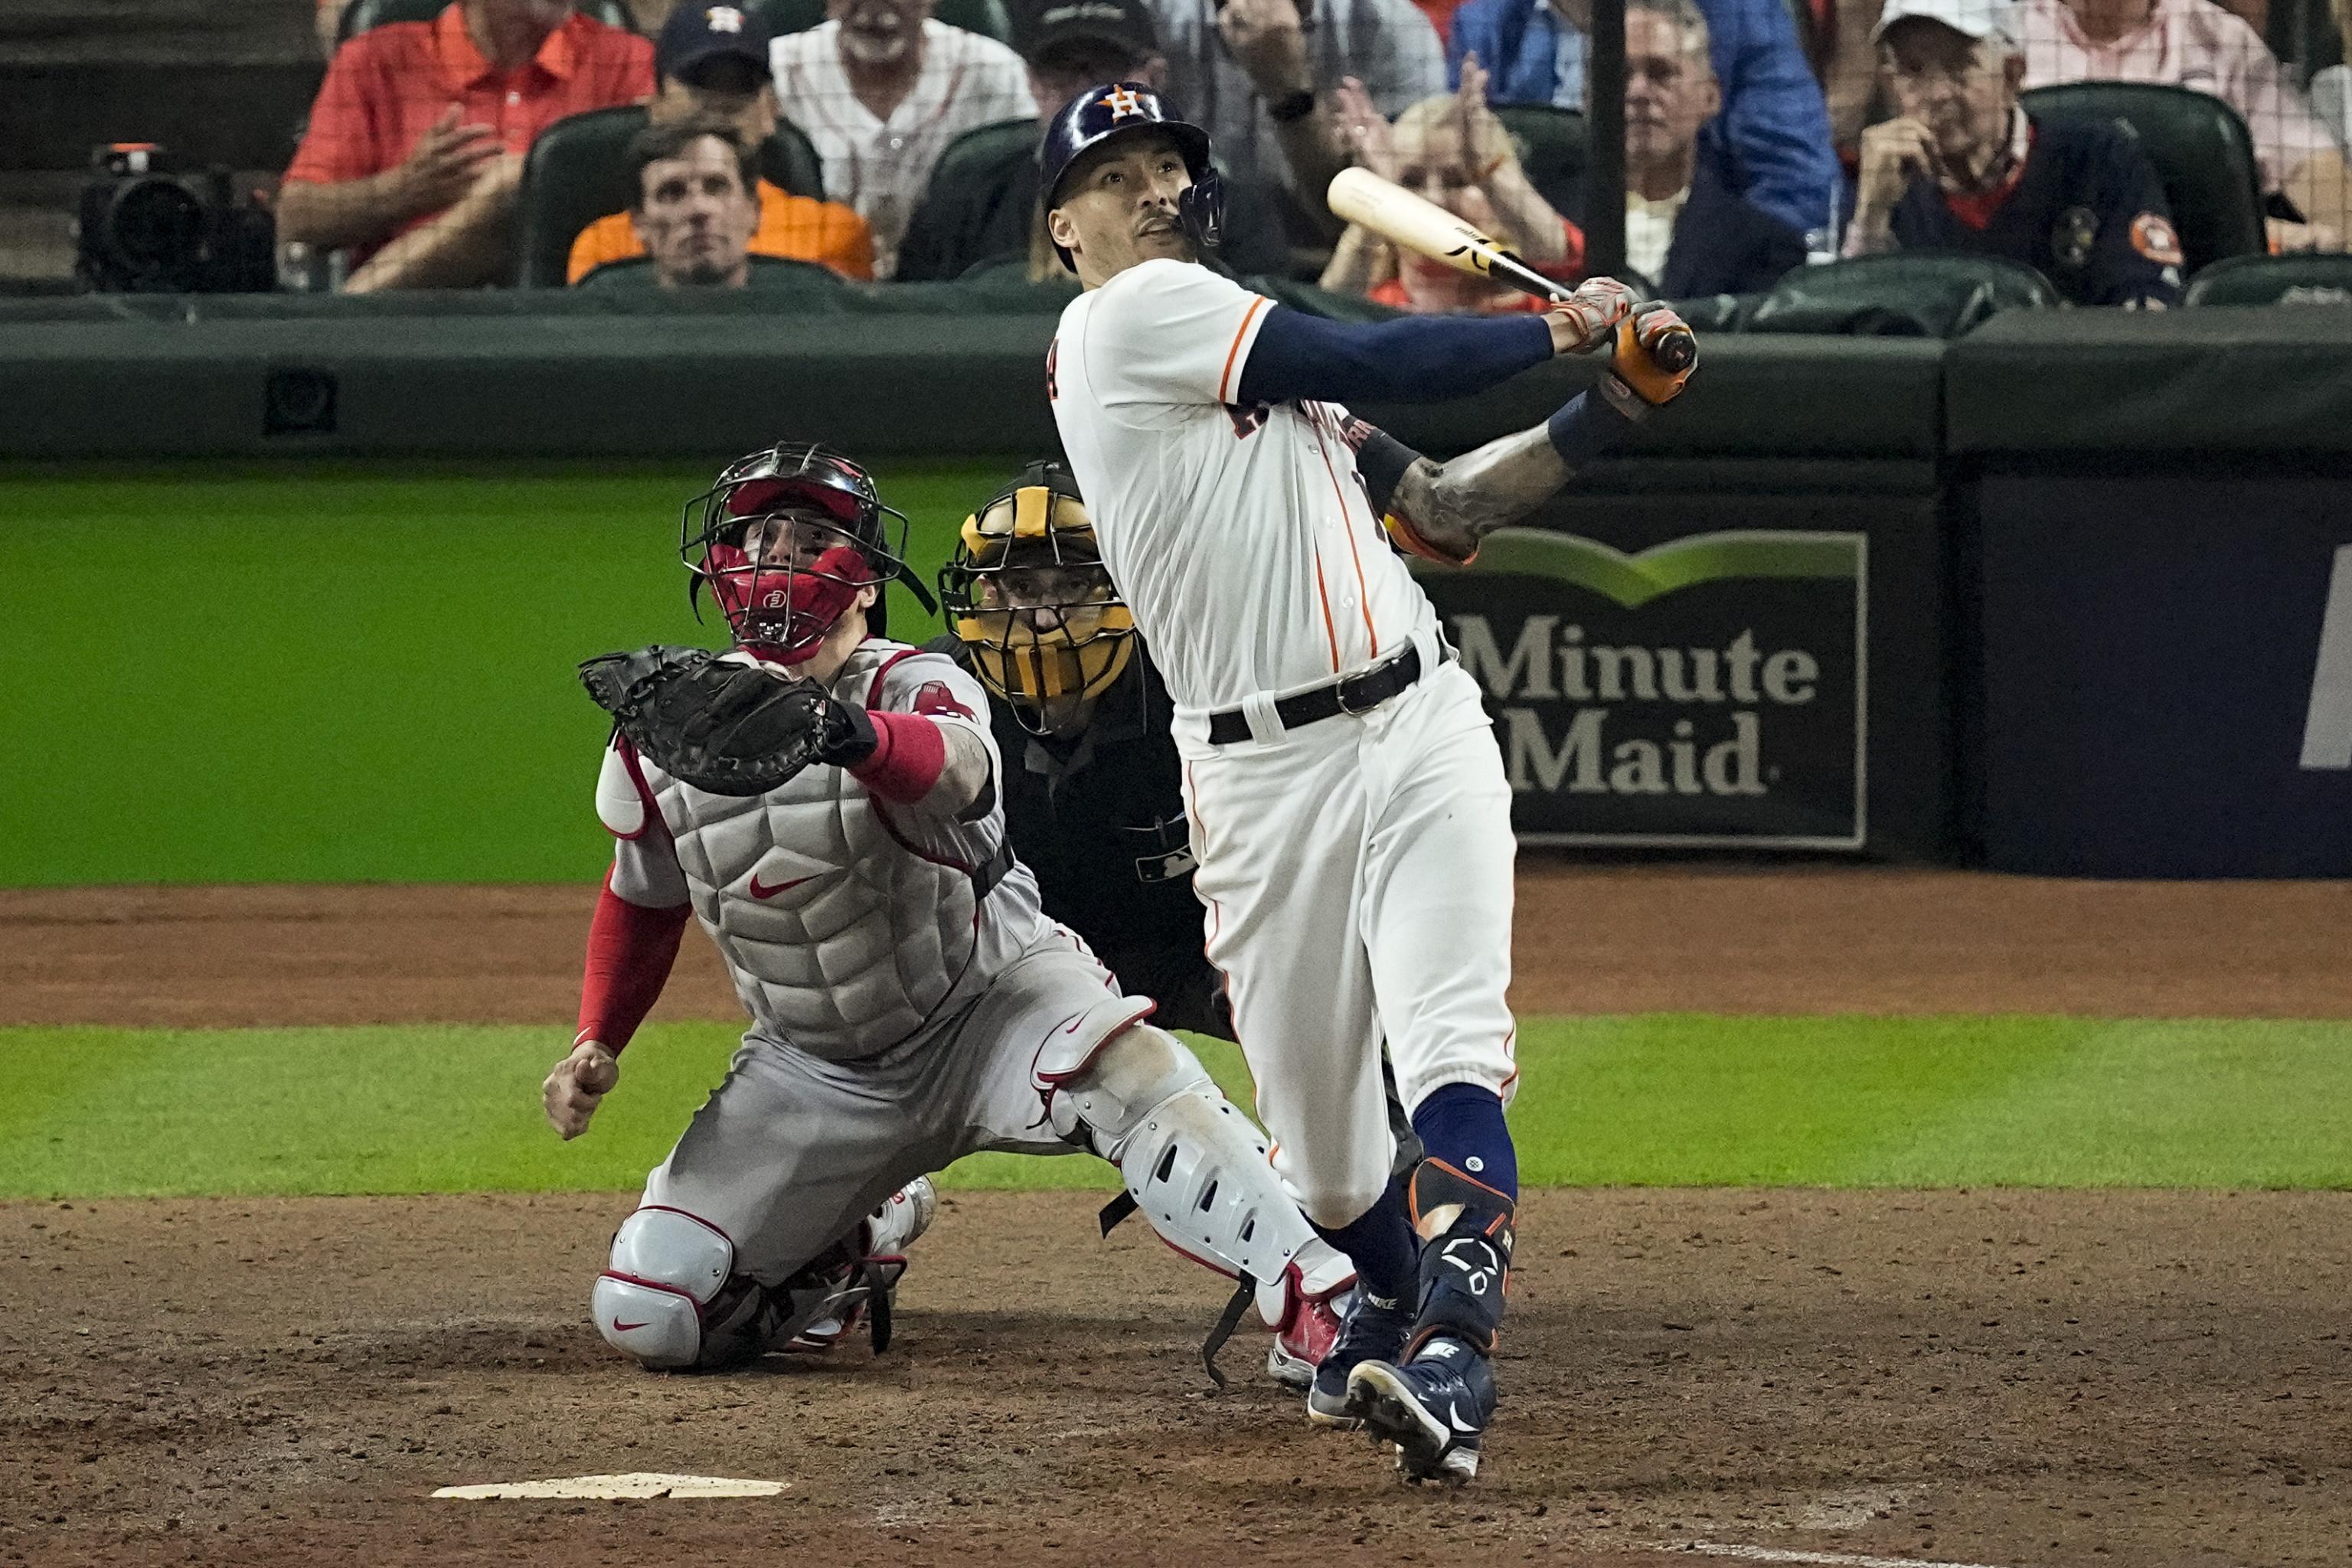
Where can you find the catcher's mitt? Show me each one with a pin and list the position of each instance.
(722, 725)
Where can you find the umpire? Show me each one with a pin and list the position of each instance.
(1091, 793)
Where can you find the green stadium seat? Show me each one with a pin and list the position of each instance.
(2199, 148)
(1717, 313)
(787, 15)
(948, 233)
(1551, 149)
(361, 15)
(2305, 280)
(986, 17)
(2304, 36)
(1902, 296)
(577, 172)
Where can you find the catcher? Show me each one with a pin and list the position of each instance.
(827, 803)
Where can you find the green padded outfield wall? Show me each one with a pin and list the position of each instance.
(296, 591)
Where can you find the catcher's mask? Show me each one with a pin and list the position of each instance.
(785, 538)
(1028, 592)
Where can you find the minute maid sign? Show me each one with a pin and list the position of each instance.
(1709, 691)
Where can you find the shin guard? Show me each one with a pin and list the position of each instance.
(1466, 1257)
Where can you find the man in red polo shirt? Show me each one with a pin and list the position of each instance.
(416, 140)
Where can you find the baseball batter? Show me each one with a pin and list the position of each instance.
(827, 803)
(1350, 813)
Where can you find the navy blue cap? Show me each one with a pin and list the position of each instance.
(698, 33)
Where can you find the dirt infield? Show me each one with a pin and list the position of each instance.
(1591, 940)
(2012, 1379)
(2007, 1379)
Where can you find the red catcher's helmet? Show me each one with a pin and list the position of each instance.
(784, 586)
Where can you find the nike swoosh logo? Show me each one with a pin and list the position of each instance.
(1452, 1416)
(625, 1328)
(759, 892)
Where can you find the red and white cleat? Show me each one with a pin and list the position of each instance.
(881, 1241)
(1314, 1292)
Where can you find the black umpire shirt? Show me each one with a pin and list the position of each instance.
(2085, 209)
(1099, 818)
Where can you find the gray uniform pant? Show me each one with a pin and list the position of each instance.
(790, 1151)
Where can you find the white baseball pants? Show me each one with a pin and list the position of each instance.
(1358, 879)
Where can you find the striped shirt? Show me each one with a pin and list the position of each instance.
(2184, 43)
(881, 167)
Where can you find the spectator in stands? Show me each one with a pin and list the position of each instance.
(695, 206)
(2197, 44)
(1770, 143)
(1068, 46)
(418, 135)
(1685, 230)
(1837, 35)
(713, 63)
(1449, 149)
(1261, 76)
(992, 215)
(1963, 168)
(882, 88)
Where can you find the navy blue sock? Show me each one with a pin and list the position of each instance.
(1380, 1244)
(1462, 1124)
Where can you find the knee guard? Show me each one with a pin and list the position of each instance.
(669, 1296)
(1194, 1164)
(1466, 1267)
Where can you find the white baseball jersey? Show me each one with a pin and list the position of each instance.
(1357, 871)
(1242, 537)
(882, 167)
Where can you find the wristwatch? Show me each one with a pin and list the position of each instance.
(1291, 106)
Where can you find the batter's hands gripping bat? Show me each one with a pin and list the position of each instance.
(1424, 228)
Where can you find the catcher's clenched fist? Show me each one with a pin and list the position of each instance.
(578, 1085)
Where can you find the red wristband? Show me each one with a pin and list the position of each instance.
(910, 752)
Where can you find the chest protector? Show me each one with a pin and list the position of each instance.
(842, 940)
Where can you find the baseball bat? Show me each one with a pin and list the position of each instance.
(1424, 228)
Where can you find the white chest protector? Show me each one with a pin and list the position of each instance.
(848, 924)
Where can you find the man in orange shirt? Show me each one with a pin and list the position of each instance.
(416, 140)
(713, 65)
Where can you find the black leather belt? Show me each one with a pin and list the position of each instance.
(1350, 694)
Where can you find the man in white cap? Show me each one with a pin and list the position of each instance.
(1963, 168)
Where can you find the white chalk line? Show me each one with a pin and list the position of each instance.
(1788, 1554)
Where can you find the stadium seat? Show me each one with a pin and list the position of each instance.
(1901, 296)
(576, 173)
(1551, 149)
(2199, 148)
(2304, 37)
(787, 15)
(986, 17)
(2303, 280)
(361, 15)
(940, 243)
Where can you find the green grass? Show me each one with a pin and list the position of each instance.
(1656, 1099)
(338, 673)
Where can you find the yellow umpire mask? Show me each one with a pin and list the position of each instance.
(1027, 591)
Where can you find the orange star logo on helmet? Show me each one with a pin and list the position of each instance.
(1122, 102)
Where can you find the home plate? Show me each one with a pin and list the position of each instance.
(641, 1484)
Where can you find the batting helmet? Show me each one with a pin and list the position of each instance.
(785, 538)
(1118, 108)
(1059, 629)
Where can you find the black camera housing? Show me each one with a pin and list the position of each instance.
(144, 230)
